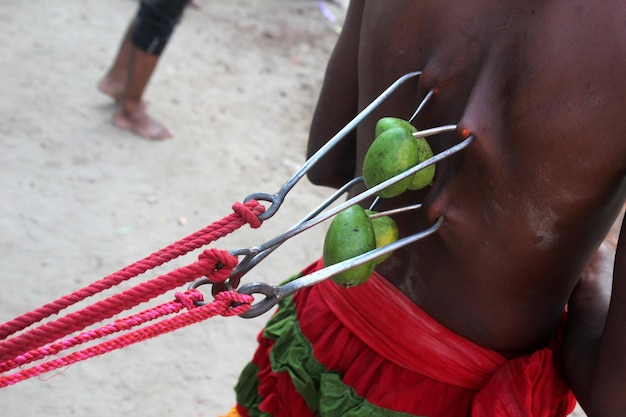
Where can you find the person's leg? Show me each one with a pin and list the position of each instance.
(112, 84)
(144, 44)
(131, 113)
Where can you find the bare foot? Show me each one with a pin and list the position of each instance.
(133, 117)
(111, 87)
(115, 90)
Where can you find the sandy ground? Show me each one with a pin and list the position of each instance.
(80, 199)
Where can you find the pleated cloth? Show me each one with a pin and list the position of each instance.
(369, 351)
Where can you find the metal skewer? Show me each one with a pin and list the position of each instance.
(274, 294)
(313, 221)
(255, 254)
(277, 199)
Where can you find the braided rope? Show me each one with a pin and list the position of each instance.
(225, 303)
(115, 304)
(216, 265)
(183, 300)
(243, 213)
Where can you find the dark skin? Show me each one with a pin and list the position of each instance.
(540, 86)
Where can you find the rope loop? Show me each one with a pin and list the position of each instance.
(47, 339)
(250, 214)
(219, 264)
(233, 303)
(189, 298)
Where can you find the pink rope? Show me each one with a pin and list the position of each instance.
(214, 264)
(183, 300)
(243, 213)
(221, 305)
(109, 307)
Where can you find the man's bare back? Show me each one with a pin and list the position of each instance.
(540, 86)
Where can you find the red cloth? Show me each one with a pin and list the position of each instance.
(396, 356)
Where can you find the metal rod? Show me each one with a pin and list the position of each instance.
(395, 211)
(278, 198)
(275, 294)
(305, 225)
(422, 104)
(434, 131)
(257, 254)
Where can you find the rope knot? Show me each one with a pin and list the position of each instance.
(189, 298)
(237, 303)
(250, 212)
(218, 264)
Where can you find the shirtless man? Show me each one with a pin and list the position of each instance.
(136, 60)
(541, 87)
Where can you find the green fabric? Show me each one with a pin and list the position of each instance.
(322, 390)
(339, 400)
(293, 353)
(247, 390)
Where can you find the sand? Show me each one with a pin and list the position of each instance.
(80, 199)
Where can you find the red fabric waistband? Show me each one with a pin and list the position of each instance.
(401, 332)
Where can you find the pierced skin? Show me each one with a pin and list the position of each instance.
(529, 202)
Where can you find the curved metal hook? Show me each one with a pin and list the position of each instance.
(278, 198)
(255, 254)
(276, 201)
(274, 294)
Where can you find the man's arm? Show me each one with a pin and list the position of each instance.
(587, 311)
(608, 387)
(338, 105)
(595, 340)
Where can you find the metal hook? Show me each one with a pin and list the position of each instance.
(278, 198)
(274, 294)
(254, 255)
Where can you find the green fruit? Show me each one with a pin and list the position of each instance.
(423, 177)
(392, 152)
(387, 123)
(385, 231)
(350, 234)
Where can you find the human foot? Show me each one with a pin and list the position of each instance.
(115, 90)
(111, 87)
(133, 117)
